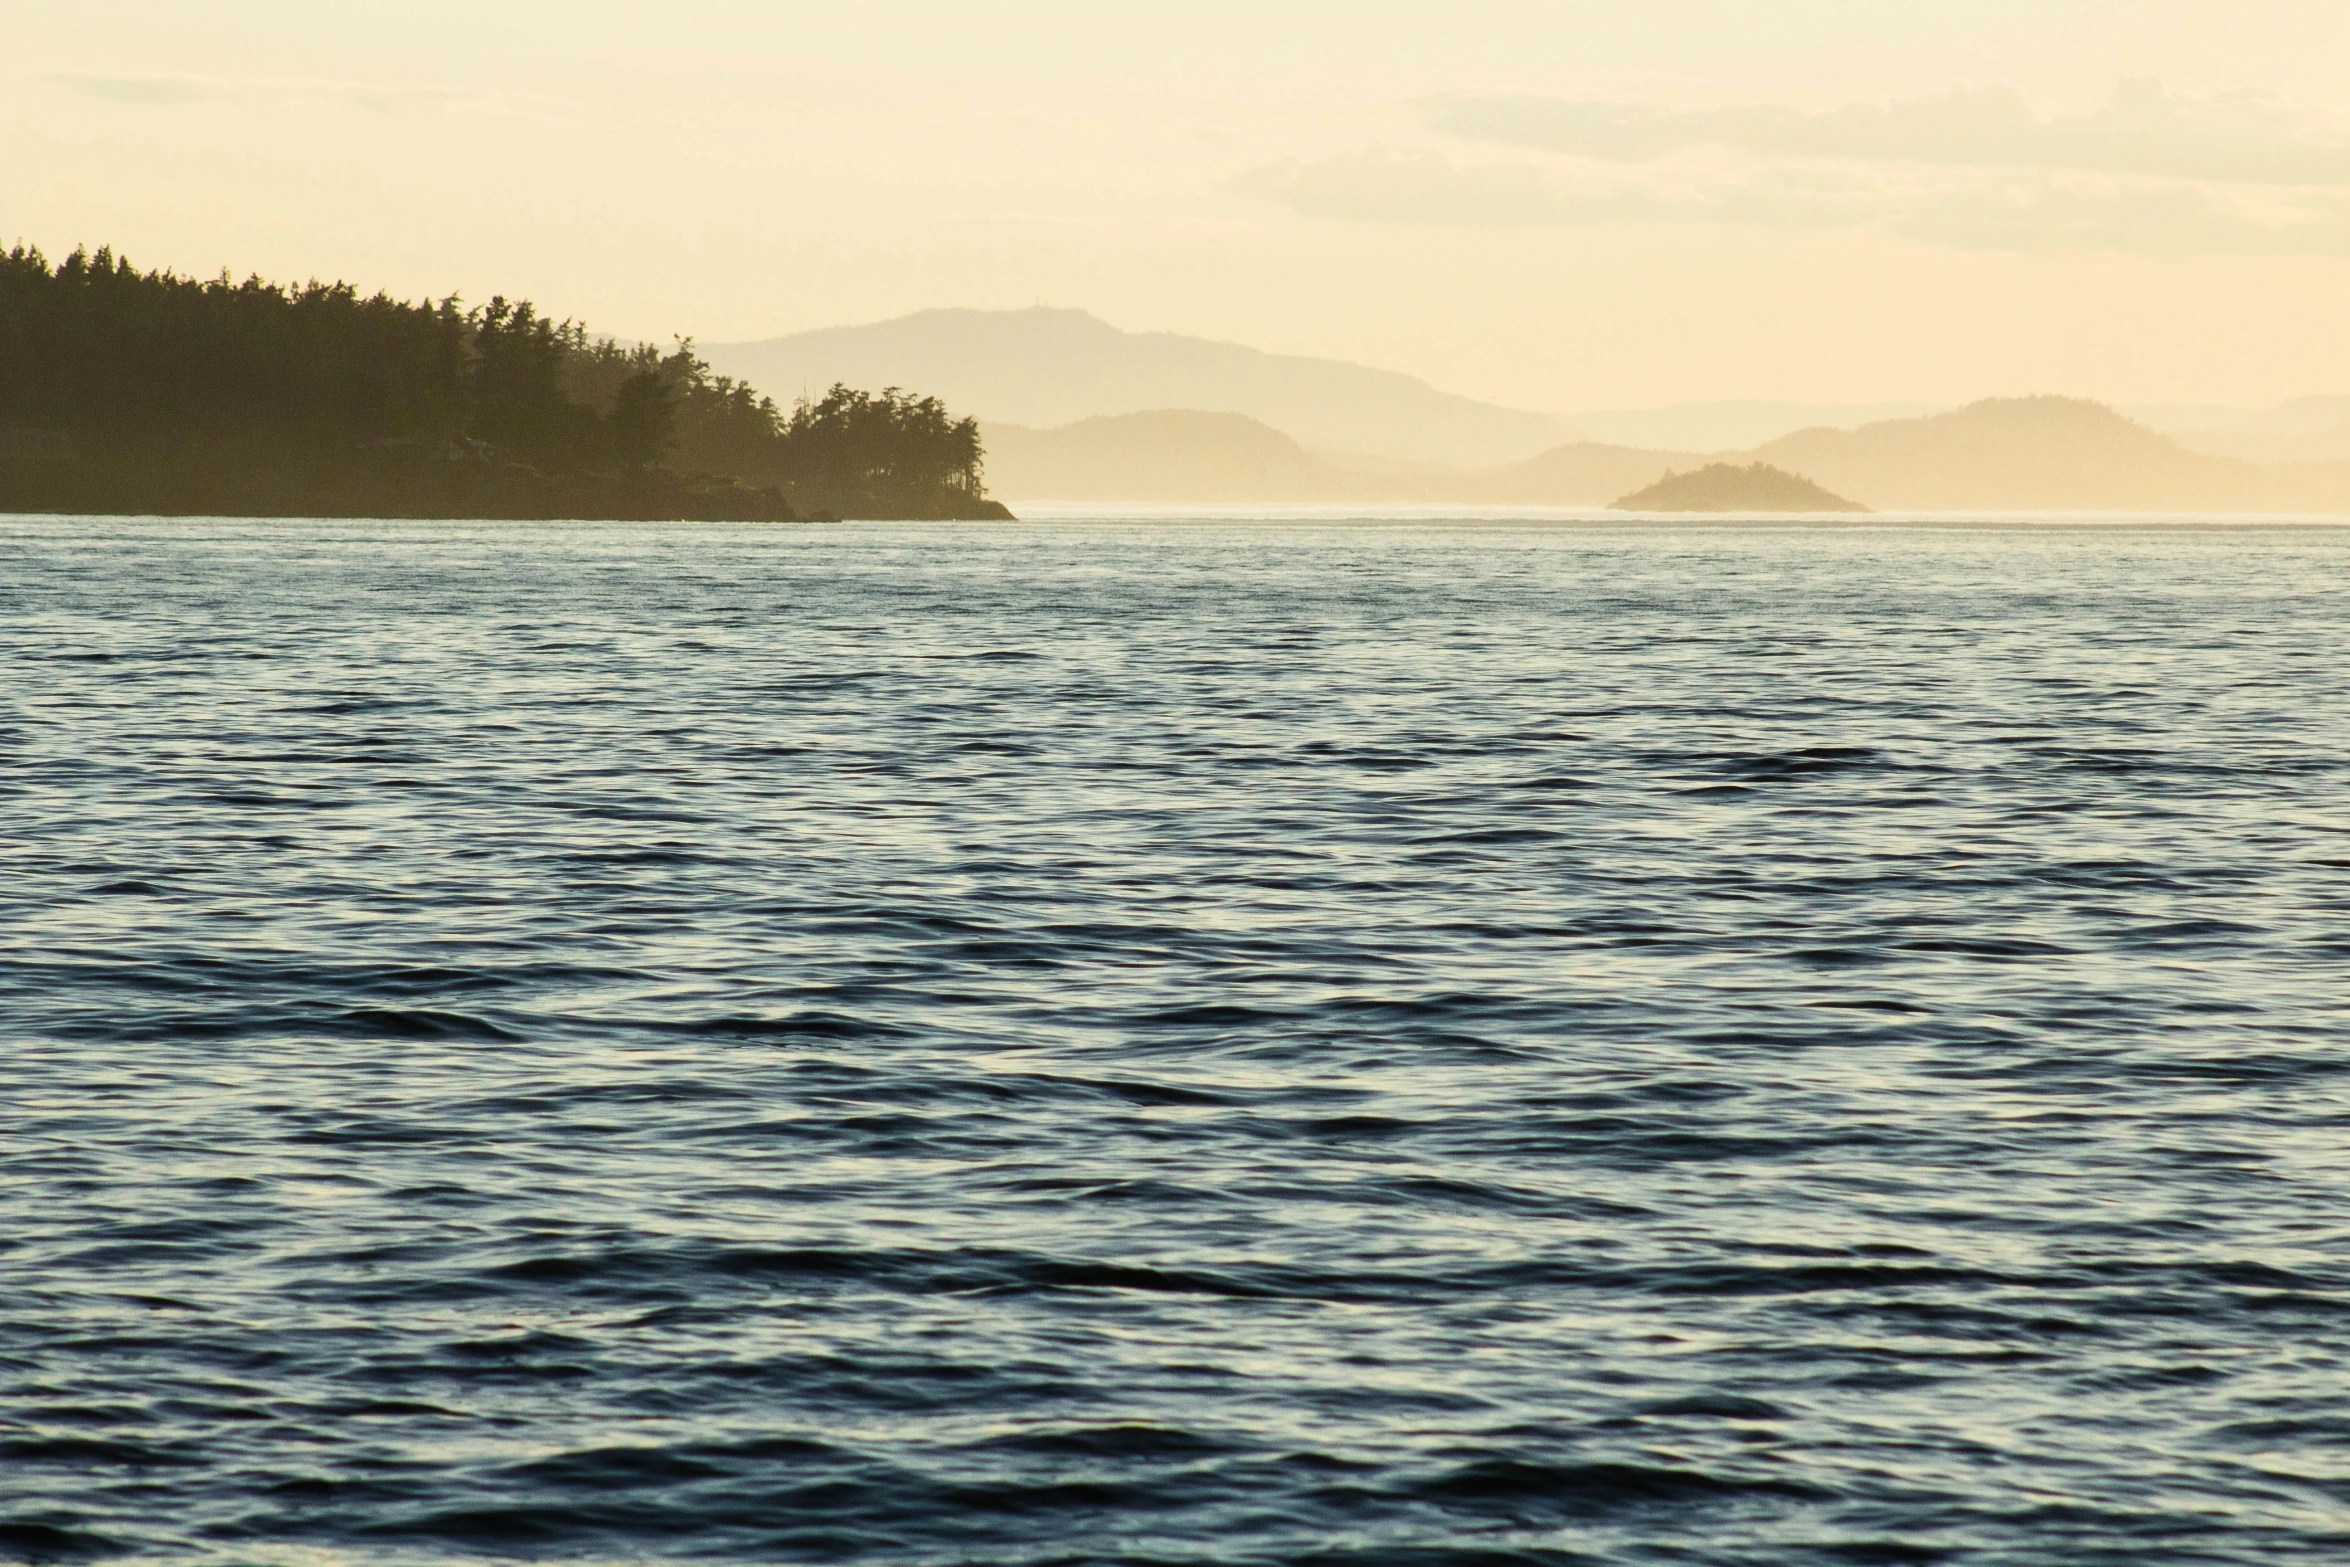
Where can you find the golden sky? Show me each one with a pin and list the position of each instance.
(1561, 204)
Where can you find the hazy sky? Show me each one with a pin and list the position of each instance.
(1559, 203)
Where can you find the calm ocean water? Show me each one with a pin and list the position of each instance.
(1190, 1042)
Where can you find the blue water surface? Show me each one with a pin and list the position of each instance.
(1279, 1041)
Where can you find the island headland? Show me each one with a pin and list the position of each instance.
(131, 392)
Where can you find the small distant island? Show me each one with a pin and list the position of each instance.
(1728, 487)
(134, 392)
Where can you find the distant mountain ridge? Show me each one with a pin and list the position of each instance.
(1048, 367)
(1177, 454)
(1732, 426)
(2307, 429)
(2003, 454)
(2024, 454)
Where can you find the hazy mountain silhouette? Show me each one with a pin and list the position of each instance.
(1078, 410)
(1180, 455)
(1732, 426)
(2307, 429)
(1046, 367)
(1165, 455)
(1736, 487)
(1585, 473)
(2315, 486)
(2021, 454)
(2014, 454)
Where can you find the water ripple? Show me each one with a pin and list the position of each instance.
(1215, 1042)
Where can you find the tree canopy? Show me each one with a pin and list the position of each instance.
(220, 389)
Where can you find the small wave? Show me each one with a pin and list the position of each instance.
(41, 1542)
(798, 1025)
(1526, 1490)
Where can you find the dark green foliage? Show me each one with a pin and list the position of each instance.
(643, 419)
(123, 390)
(900, 450)
(95, 346)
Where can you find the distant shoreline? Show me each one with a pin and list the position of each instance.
(2029, 454)
(1049, 514)
(1405, 513)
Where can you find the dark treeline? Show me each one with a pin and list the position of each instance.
(129, 391)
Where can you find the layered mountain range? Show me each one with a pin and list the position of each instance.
(1074, 409)
(2006, 454)
(1046, 367)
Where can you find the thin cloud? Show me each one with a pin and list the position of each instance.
(2242, 138)
(441, 100)
(1968, 209)
(153, 91)
(1381, 186)
(176, 91)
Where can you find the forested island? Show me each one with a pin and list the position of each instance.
(1731, 487)
(124, 391)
